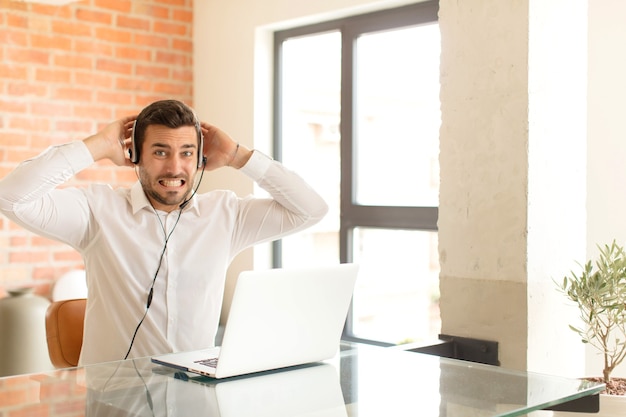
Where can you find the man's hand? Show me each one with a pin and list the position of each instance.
(221, 150)
(112, 142)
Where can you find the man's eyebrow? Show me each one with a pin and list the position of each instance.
(165, 145)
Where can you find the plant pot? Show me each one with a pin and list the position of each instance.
(610, 406)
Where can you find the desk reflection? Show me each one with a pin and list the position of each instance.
(128, 390)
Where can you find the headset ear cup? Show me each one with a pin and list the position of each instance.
(132, 151)
(201, 157)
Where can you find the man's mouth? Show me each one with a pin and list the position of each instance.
(172, 182)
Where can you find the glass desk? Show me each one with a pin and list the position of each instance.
(360, 381)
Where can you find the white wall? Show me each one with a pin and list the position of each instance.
(606, 158)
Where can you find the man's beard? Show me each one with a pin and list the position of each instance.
(167, 199)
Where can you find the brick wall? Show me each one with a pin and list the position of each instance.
(65, 72)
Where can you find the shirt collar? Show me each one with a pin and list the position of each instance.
(138, 200)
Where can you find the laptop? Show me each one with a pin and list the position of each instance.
(278, 318)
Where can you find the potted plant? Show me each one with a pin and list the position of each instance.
(599, 291)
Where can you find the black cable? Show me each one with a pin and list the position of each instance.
(151, 292)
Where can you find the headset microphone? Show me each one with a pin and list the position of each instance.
(184, 203)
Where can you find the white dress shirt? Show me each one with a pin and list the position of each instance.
(121, 238)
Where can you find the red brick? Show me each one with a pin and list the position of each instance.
(172, 28)
(29, 257)
(185, 75)
(27, 89)
(19, 155)
(51, 42)
(29, 56)
(49, 108)
(73, 61)
(94, 112)
(45, 272)
(183, 15)
(101, 80)
(114, 97)
(173, 2)
(17, 241)
(152, 71)
(93, 47)
(93, 16)
(154, 11)
(111, 65)
(43, 141)
(37, 240)
(73, 94)
(72, 28)
(118, 5)
(113, 35)
(133, 84)
(182, 45)
(129, 52)
(143, 100)
(11, 139)
(13, 71)
(171, 88)
(68, 255)
(173, 58)
(53, 75)
(32, 123)
(17, 21)
(39, 23)
(125, 21)
(12, 106)
(125, 176)
(63, 12)
(13, 37)
(153, 40)
(73, 126)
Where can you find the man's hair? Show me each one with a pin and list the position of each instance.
(169, 113)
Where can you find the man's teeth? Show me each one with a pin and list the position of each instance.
(172, 183)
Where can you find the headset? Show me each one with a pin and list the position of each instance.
(133, 152)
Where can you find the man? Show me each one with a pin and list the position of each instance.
(156, 254)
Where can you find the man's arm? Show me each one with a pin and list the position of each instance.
(293, 205)
(29, 195)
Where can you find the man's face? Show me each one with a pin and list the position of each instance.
(168, 164)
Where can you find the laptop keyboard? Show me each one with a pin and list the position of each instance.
(211, 362)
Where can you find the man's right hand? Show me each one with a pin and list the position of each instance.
(112, 142)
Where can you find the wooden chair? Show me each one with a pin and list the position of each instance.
(64, 331)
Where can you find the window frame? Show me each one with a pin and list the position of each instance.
(354, 215)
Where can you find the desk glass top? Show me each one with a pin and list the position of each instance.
(360, 381)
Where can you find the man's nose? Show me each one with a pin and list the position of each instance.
(174, 164)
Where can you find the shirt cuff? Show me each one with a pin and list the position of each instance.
(257, 165)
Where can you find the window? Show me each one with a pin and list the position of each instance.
(357, 112)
